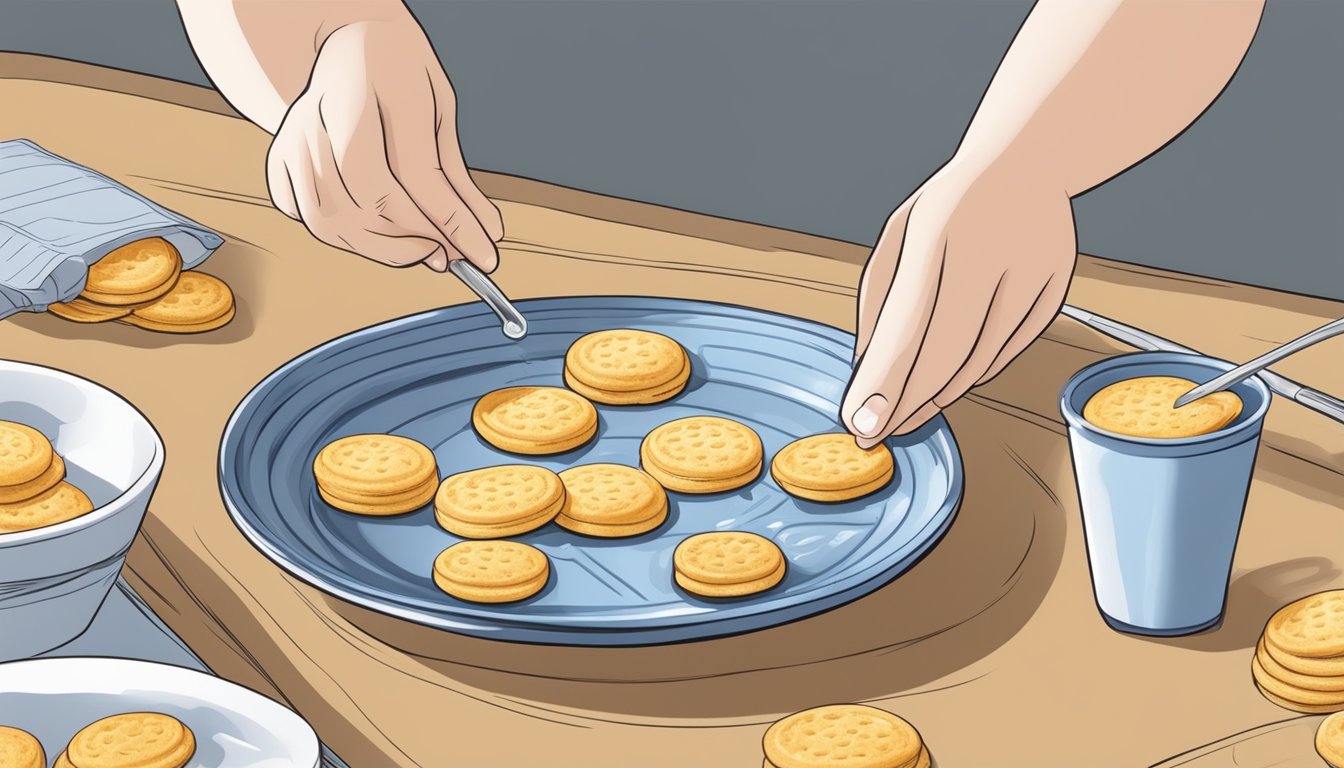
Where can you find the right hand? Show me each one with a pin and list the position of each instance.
(367, 157)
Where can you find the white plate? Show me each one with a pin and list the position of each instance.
(234, 727)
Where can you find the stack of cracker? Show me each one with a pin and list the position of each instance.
(142, 284)
(376, 474)
(611, 500)
(849, 735)
(702, 454)
(627, 367)
(33, 491)
(1330, 740)
(727, 564)
(131, 740)
(1299, 661)
(491, 571)
(496, 502)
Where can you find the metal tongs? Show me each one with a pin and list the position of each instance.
(511, 321)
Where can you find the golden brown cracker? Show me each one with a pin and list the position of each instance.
(831, 467)
(654, 394)
(1294, 678)
(850, 735)
(739, 589)
(625, 360)
(374, 465)
(57, 505)
(20, 749)
(25, 453)
(1143, 407)
(727, 557)
(1301, 696)
(81, 310)
(63, 761)
(391, 504)
(611, 494)
(1330, 740)
(134, 268)
(491, 571)
(500, 495)
(55, 473)
(196, 298)
(134, 300)
(202, 327)
(1312, 627)
(702, 454)
(534, 420)
(133, 740)
(1326, 666)
(615, 531)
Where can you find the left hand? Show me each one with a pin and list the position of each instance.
(967, 272)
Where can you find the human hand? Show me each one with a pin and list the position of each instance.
(367, 157)
(967, 272)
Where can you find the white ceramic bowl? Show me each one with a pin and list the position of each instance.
(233, 726)
(53, 579)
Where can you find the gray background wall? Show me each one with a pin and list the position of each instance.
(822, 115)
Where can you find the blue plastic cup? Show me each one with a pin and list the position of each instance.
(1161, 516)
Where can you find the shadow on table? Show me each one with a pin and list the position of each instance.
(972, 593)
(1253, 596)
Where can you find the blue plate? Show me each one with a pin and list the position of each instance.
(419, 377)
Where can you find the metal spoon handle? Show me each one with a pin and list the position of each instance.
(1244, 370)
(511, 320)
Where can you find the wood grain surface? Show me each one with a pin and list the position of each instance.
(992, 645)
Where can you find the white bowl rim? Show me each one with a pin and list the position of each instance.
(54, 673)
(123, 499)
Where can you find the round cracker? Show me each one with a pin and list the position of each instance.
(490, 564)
(61, 503)
(611, 494)
(55, 473)
(208, 325)
(1291, 677)
(500, 495)
(377, 465)
(81, 310)
(1328, 666)
(25, 453)
(648, 396)
(133, 300)
(702, 448)
(134, 268)
(476, 594)
(534, 420)
(625, 360)
(20, 749)
(1268, 682)
(1312, 626)
(1330, 740)
(853, 735)
(196, 298)
(611, 531)
(740, 589)
(469, 530)
(727, 557)
(133, 740)
(689, 485)
(833, 466)
(1144, 407)
(394, 504)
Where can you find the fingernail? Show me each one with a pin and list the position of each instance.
(437, 261)
(868, 419)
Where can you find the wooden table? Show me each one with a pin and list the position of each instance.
(992, 645)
